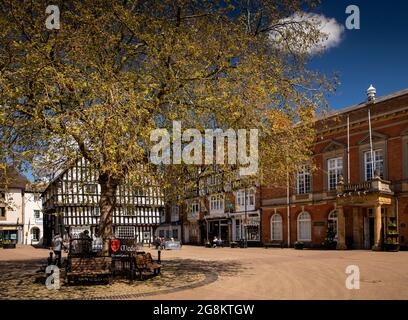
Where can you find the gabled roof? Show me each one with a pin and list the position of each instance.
(12, 179)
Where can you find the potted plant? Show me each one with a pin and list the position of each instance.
(8, 244)
(391, 245)
(208, 244)
(233, 244)
(329, 242)
(299, 245)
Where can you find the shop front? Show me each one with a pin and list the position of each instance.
(247, 226)
(220, 228)
(11, 234)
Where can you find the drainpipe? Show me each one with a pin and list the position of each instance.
(288, 205)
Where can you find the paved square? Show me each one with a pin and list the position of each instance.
(226, 273)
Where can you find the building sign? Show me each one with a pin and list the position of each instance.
(124, 246)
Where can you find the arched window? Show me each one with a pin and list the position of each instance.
(332, 221)
(276, 227)
(304, 227)
(35, 234)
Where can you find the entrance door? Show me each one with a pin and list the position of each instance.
(224, 232)
(371, 226)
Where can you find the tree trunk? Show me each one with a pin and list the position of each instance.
(107, 203)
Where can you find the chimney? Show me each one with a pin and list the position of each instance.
(371, 91)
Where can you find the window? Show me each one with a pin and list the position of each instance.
(91, 188)
(250, 198)
(96, 211)
(2, 212)
(378, 163)
(304, 227)
(175, 234)
(35, 234)
(332, 221)
(174, 213)
(334, 170)
(125, 232)
(37, 214)
(276, 227)
(161, 233)
(303, 180)
(217, 202)
(194, 208)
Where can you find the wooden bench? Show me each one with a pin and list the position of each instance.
(89, 267)
(276, 244)
(145, 262)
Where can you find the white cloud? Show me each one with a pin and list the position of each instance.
(331, 32)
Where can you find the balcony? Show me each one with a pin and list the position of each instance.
(364, 193)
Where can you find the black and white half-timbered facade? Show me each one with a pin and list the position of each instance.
(71, 206)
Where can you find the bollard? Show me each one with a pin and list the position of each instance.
(158, 255)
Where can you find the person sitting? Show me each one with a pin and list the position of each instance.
(215, 242)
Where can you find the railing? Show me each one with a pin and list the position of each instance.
(364, 186)
(374, 185)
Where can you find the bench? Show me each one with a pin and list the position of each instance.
(276, 244)
(145, 262)
(89, 267)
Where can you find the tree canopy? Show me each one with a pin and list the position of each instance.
(115, 70)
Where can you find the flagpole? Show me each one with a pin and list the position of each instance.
(348, 149)
(371, 144)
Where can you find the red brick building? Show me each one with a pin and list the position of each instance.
(365, 201)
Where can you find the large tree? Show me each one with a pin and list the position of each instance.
(113, 71)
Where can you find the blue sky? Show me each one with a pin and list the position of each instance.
(376, 54)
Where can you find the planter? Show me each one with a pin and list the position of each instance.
(330, 245)
(208, 245)
(391, 247)
(9, 246)
(299, 245)
(233, 244)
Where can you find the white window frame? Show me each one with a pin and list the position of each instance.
(304, 220)
(217, 202)
(39, 214)
(125, 232)
(378, 163)
(303, 180)
(334, 170)
(276, 222)
(250, 199)
(194, 208)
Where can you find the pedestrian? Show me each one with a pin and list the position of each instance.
(57, 245)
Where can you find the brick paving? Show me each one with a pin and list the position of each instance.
(225, 273)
